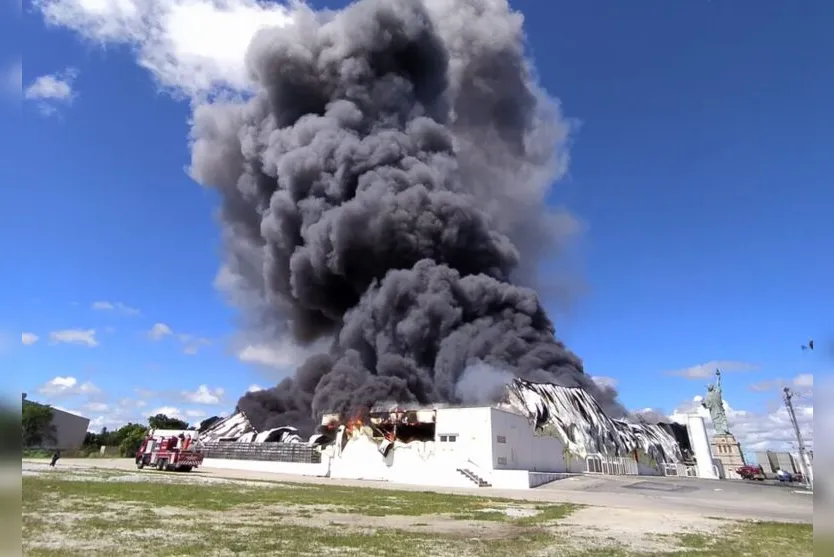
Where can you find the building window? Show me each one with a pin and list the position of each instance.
(448, 438)
(502, 439)
(502, 460)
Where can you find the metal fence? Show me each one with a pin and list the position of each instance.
(278, 452)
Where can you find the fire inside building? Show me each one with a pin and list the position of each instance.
(536, 434)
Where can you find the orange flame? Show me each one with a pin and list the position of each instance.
(354, 424)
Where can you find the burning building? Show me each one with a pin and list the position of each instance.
(534, 434)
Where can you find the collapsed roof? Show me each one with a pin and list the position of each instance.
(575, 417)
(238, 428)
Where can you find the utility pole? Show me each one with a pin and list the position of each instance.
(804, 468)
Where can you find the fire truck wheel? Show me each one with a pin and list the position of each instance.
(161, 465)
(185, 468)
(140, 463)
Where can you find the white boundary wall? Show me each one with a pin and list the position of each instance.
(300, 469)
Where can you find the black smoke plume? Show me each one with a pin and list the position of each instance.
(385, 188)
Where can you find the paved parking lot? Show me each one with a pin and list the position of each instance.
(732, 498)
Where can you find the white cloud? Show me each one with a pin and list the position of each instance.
(804, 381)
(98, 423)
(51, 91)
(284, 355)
(193, 47)
(74, 336)
(113, 415)
(771, 430)
(170, 411)
(195, 414)
(62, 386)
(802, 384)
(132, 403)
(50, 87)
(204, 395)
(144, 394)
(95, 407)
(707, 369)
(29, 338)
(159, 330)
(115, 306)
(192, 344)
(254, 389)
(167, 410)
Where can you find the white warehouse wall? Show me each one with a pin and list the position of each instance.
(420, 463)
(499, 446)
(473, 427)
(515, 446)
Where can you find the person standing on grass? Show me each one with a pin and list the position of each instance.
(55, 458)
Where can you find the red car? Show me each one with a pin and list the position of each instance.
(750, 472)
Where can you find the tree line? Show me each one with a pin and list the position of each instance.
(38, 430)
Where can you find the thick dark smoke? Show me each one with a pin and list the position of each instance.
(385, 188)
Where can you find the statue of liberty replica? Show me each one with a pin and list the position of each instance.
(714, 402)
(724, 445)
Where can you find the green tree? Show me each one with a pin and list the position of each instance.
(161, 421)
(132, 440)
(36, 422)
(127, 438)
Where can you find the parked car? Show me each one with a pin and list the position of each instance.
(751, 472)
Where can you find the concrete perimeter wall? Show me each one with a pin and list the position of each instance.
(321, 469)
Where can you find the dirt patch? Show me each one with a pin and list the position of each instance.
(328, 516)
(74, 524)
(639, 531)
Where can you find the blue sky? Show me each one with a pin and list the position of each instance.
(699, 170)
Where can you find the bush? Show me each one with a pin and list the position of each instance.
(131, 443)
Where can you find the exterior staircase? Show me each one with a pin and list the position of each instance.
(474, 477)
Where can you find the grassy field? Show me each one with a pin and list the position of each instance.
(115, 513)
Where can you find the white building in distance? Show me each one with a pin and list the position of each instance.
(67, 429)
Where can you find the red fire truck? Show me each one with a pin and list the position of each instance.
(168, 452)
